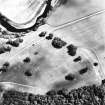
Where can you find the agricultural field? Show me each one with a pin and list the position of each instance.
(50, 45)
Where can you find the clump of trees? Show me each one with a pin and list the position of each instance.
(87, 95)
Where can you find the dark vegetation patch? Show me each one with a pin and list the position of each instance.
(5, 67)
(71, 50)
(83, 71)
(4, 49)
(19, 40)
(42, 34)
(28, 73)
(49, 37)
(26, 60)
(36, 53)
(58, 43)
(77, 59)
(70, 77)
(95, 64)
(6, 64)
(14, 43)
